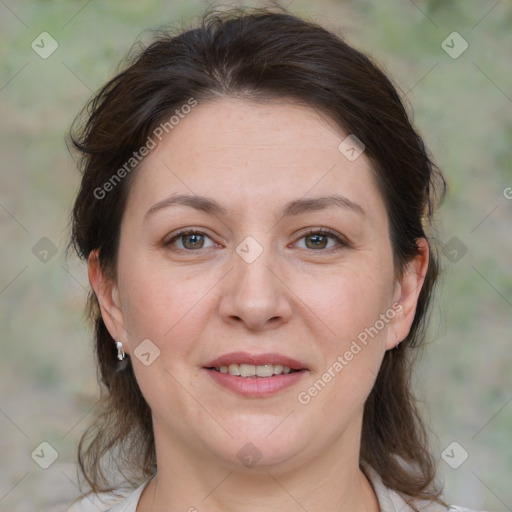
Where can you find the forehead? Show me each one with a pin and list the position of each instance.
(247, 153)
(271, 127)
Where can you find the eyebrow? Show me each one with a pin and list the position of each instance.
(295, 207)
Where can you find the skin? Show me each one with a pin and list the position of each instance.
(299, 299)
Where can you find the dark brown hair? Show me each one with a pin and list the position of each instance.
(256, 54)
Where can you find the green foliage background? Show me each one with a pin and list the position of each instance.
(461, 106)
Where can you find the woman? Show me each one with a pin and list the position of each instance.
(253, 210)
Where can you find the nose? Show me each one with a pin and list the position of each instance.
(255, 294)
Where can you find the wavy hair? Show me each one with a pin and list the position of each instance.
(257, 54)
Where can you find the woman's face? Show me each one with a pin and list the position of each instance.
(258, 182)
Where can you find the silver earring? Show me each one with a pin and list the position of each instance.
(120, 351)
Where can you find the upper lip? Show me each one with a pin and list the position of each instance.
(255, 359)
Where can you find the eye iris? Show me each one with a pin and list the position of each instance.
(320, 241)
(197, 241)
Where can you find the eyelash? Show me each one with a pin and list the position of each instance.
(314, 231)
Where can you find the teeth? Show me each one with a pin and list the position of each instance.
(247, 370)
(250, 370)
(278, 369)
(233, 369)
(267, 370)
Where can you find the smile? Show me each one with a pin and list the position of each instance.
(251, 370)
(255, 375)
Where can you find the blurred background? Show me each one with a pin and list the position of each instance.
(452, 63)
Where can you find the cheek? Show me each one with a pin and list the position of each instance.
(351, 304)
(161, 306)
(169, 312)
(350, 300)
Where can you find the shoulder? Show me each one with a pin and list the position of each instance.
(123, 500)
(97, 502)
(456, 508)
(391, 501)
(423, 506)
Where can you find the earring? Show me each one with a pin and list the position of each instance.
(120, 351)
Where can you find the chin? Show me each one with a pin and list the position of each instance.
(255, 448)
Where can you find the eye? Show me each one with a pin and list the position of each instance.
(189, 240)
(317, 239)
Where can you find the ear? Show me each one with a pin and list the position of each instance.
(406, 295)
(108, 297)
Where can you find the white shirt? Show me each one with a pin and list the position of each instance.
(127, 501)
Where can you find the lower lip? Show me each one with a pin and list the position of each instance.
(256, 387)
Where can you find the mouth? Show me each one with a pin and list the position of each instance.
(255, 375)
(248, 371)
(243, 364)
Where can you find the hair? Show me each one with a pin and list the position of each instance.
(256, 54)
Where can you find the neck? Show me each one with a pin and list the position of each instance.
(189, 481)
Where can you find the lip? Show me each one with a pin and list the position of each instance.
(255, 387)
(255, 359)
